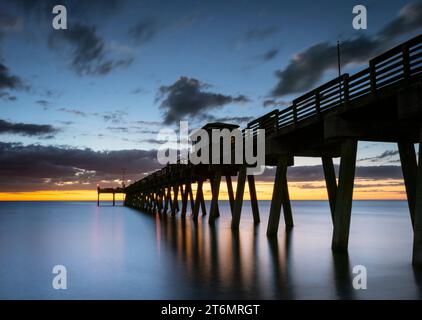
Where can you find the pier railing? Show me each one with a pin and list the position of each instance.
(394, 66)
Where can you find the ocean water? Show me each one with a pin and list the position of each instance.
(121, 253)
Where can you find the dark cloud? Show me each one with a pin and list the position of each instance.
(139, 91)
(146, 131)
(118, 129)
(306, 68)
(115, 116)
(144, 31)
(316, 173)
(235, 120)
(275, 103)
(386, 154)
(35, 167)
(67, 123)
(88, 50)
(312, 173)
(27, 129)
(7, 96)
(43, 103)
(9, 82)
(260, 33)
(152, 141)
(357, 185)
(269, 55)
(148, 123)
(187, 98)
(408, 20)
(9, 22)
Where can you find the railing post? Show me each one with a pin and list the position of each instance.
(317, 101)
(406, 62)
(346, 87)
(372, 76)
(294, 112)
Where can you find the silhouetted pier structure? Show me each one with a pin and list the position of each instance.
(380, 103)
(109, 191)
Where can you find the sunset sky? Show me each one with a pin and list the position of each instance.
(79, 105)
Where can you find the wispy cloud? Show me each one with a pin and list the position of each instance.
(88, 50)
(306, 68)
(144, 30)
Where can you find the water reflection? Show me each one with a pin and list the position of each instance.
(342, 276)
(221, 263)
(117, 252)
(280, 261)
(417, 273)
(227, 262)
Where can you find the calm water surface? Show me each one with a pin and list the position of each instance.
(120, 253)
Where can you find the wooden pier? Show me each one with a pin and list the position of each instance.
(380, 103)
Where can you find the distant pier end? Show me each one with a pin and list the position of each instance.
(109, 190)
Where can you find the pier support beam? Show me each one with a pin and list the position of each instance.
(203, 206)
(171, 199)
(410, 168)
(185, 193)
(160, 200)
(254, 199)
(199, 196)
(331, 183)
(343, 204)
(230, 192)
(215, 188)
(114, 199)
(168, 200)
(238, 202)
(176, 200)
(192, 200)
(280, 197)
(287, 208)
(417, 234)
(212, 184)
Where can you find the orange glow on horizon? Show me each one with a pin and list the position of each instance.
(315, 190)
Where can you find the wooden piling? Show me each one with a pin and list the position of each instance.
(212, 184)
(192, 200)
(331, 183)
(278, 197)
(409, 168)
(230, 192)
(176, 198)
(199, 196)
(238, 202)
(417, 230)
(203, 206)
(254, 199)
(287, 208)
(343, 205)
(185, 201)
(215, 187)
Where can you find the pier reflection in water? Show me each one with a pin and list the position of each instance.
(299, 263)
(121, 253)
